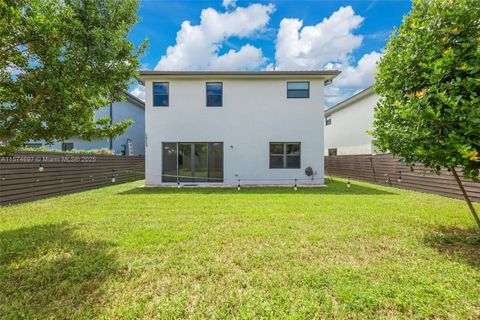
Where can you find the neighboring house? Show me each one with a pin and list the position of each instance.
(259, 127)
(131, 108)
(347, 123)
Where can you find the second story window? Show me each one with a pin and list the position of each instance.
(160, 94)
(328, 120)
(298, 89)
(214, 94)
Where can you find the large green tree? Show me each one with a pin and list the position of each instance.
(60, 61)
(429, 81)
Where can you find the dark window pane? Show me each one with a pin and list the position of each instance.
(297, 94)
(215, 161)
(276, 162)
(214, 94)
(160, 88)
(185, 165)
(293, 149)
(160, 100)
(332, 152)
(214, 100)
(328, 121)
(67, 146)
(276, 148)
(214, 88)
(169, 162)
(298, 86)
(200, 162)
(293, 162)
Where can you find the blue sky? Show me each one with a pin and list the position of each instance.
(257, 35)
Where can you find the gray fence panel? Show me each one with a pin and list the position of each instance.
(388, 170)
(27, 176)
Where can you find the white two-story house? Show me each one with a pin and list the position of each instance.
(226, 127)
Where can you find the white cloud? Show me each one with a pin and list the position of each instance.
(139, 92)
(229, 3)
(311, 47)
(248, 57)
(360, 76)
(198, 46)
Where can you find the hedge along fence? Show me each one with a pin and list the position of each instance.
(27, 176)
(388, 170)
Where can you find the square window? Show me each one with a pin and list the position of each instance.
(285, 155)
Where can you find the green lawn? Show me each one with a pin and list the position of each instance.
(128, 252)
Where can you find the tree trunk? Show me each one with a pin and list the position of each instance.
(465, 195)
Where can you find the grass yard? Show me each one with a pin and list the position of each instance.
(128, 252)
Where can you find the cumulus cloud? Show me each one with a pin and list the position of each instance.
(359, 76)
(197, 46)
(249, 57)
(229, 3)
(311, 47)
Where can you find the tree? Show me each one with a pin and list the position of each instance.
(60, 61)
(429, 78)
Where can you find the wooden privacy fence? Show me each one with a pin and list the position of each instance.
(30, 176)
(387, 170)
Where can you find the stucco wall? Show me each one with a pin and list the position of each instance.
(254, 113)
(348, 131)
(127, 110)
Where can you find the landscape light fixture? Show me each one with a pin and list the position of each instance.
(399, 177)
(295, 187)
(238, 186)
(348, 183)
(40, 168)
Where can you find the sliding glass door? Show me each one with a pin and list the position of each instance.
(192, 162)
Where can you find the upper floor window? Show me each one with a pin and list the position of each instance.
(298, 89)
(284, 155)
(214, 94)
(328, 120)
(160, 94)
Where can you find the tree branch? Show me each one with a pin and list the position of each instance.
(465, 195)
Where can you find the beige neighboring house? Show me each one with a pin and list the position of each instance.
(347, 123)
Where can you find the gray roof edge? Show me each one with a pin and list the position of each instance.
(240, 73)
(345, 103)
(328, 74)
(134, 99)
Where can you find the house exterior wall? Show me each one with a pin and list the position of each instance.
(348, 130)
(255, 112)
(136, 133)
(122, 110)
